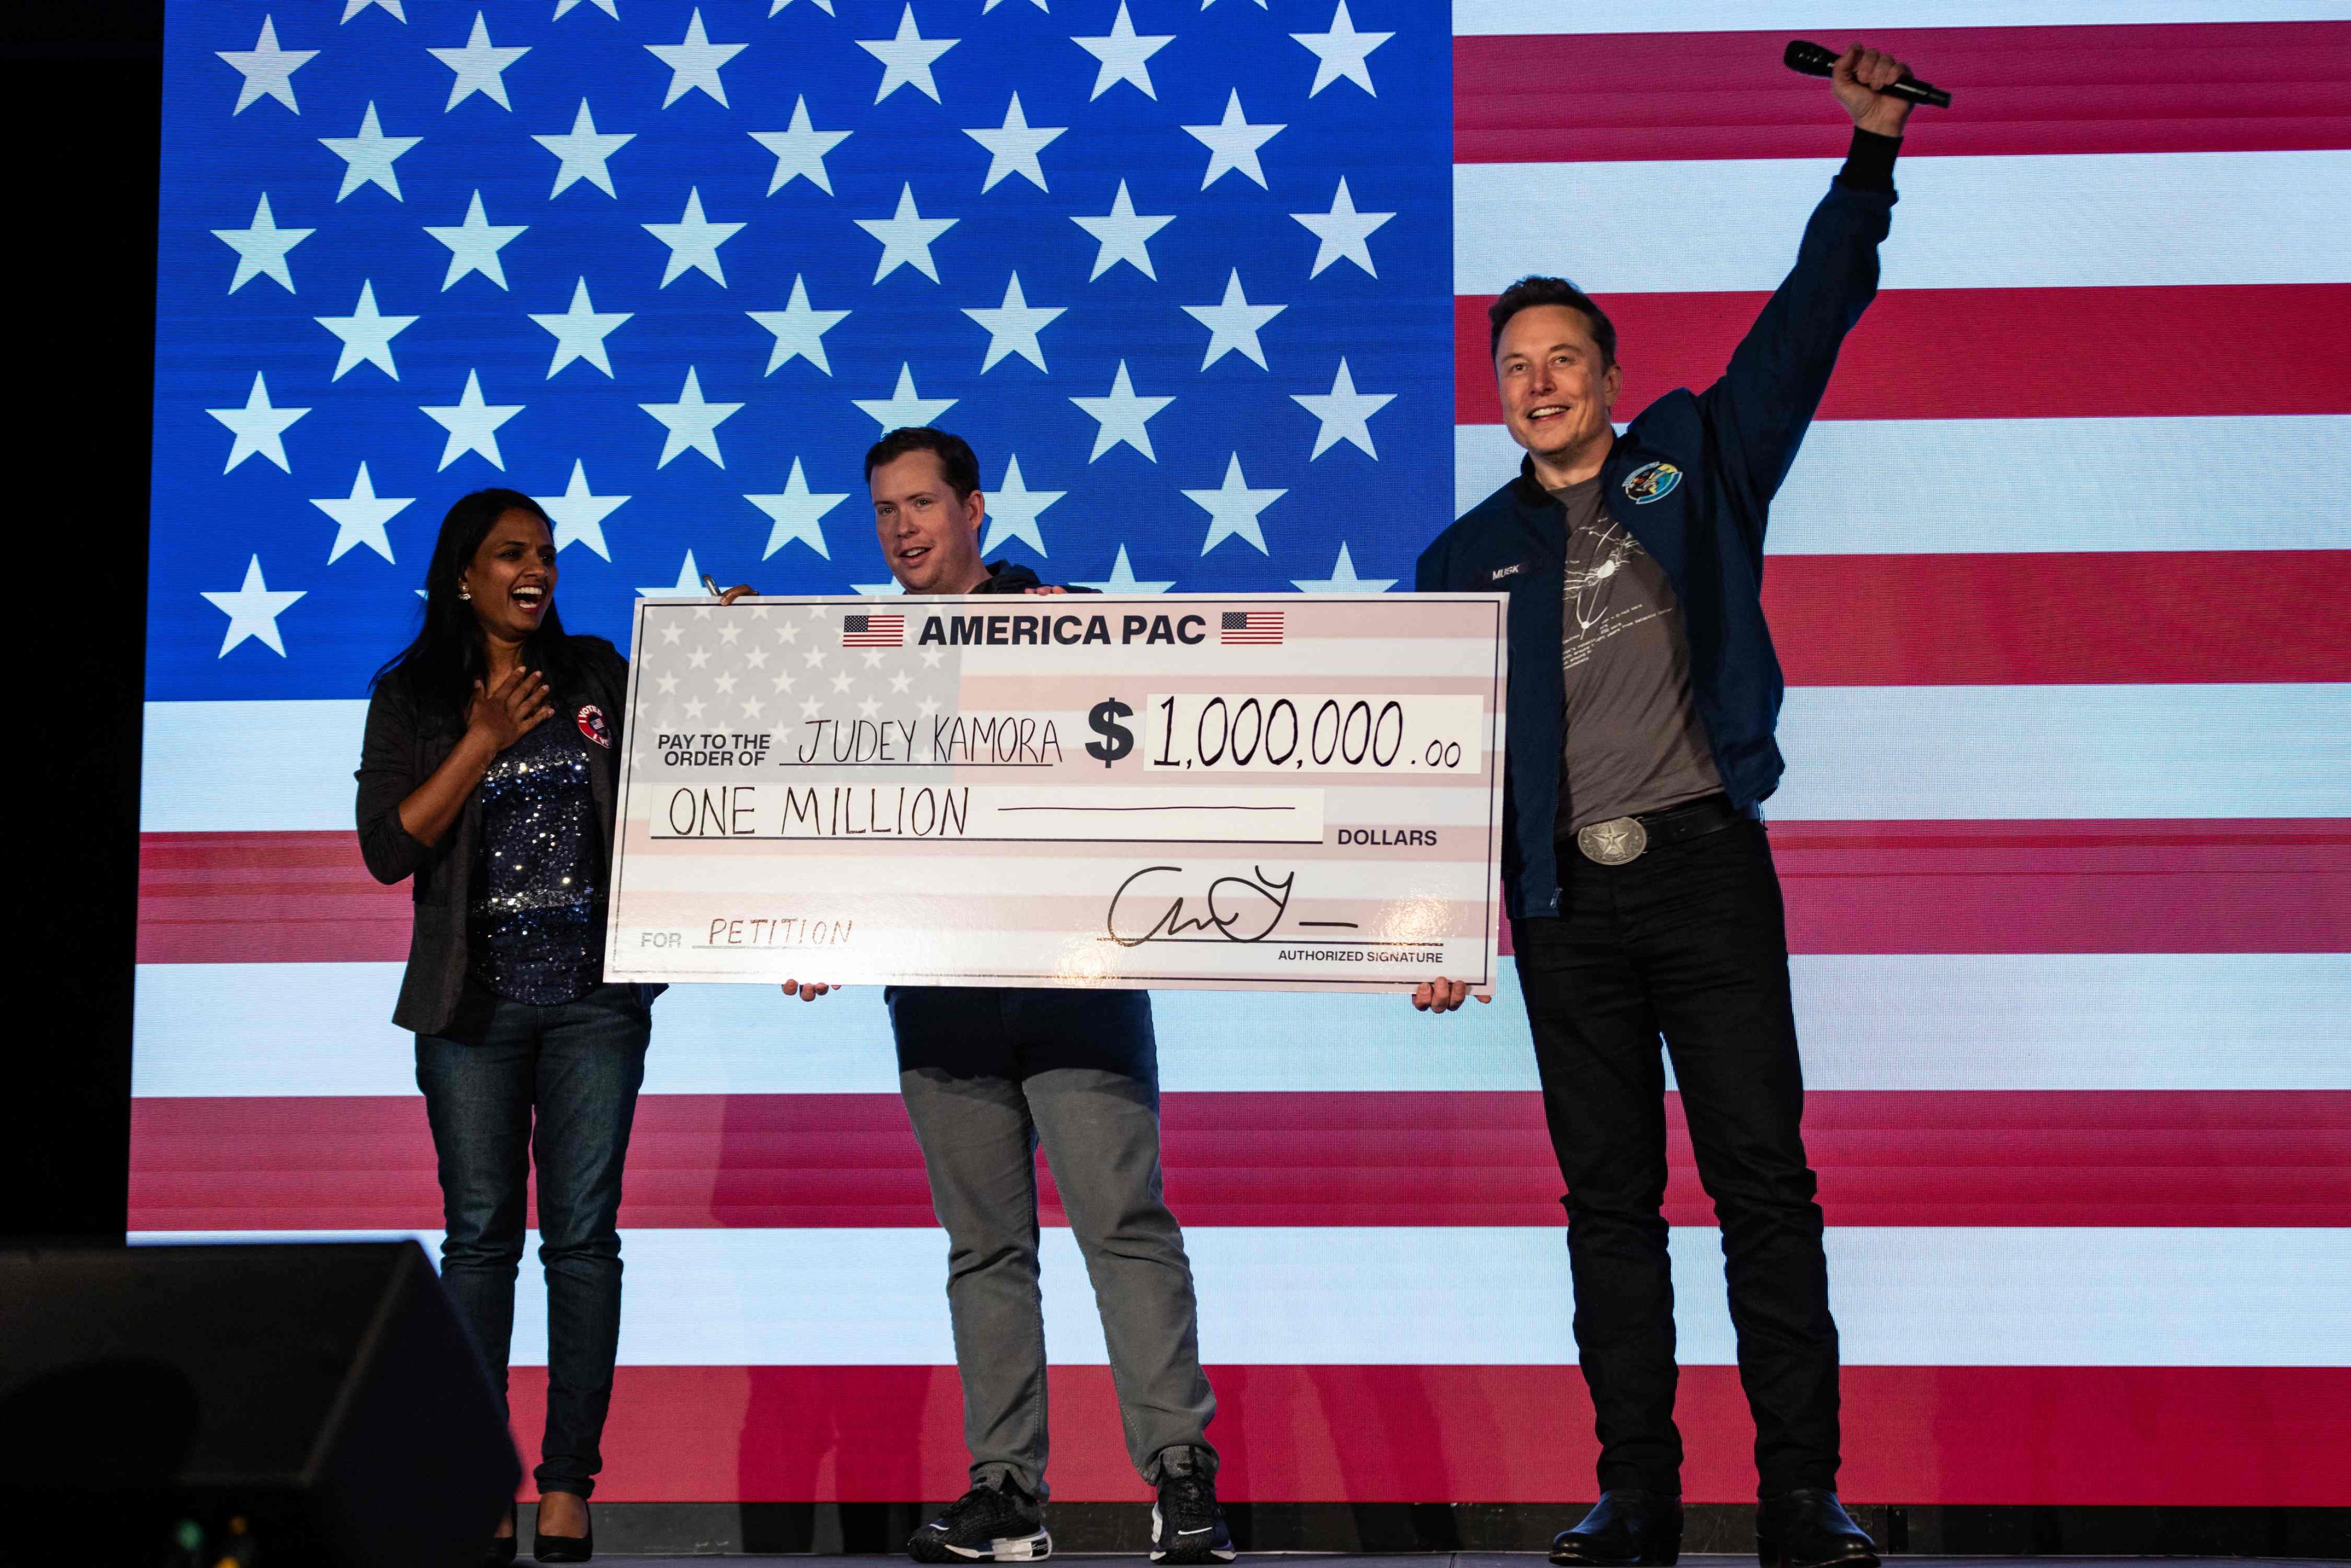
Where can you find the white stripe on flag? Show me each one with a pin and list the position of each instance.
(1282, 1296)
(1873, 753)
(1937, 752)
(1506, 18)
(1960, 486)
(2037, 221)
(1971, 1022)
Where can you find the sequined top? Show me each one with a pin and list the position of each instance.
(534, 930)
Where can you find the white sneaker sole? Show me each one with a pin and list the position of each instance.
(1008, 1548)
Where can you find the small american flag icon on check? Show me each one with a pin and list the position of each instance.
(1251, 627)
(873, 631)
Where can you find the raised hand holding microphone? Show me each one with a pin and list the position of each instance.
(1861, 77)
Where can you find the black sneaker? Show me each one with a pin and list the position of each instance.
(1187, 1526)
(991, 1523)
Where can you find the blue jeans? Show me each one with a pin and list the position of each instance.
(557, 1085)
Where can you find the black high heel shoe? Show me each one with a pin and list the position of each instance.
(501, 1548)
(549, 1547)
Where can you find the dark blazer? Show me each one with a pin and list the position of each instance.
(1692, 479)
(403, 748)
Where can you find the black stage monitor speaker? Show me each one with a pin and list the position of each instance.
(278, 1403)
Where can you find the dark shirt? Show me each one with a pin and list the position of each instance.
(1692, 478)
(1633, 742)
(407, 739)
(534, 922)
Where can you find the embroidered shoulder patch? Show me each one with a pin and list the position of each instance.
(1651, 481)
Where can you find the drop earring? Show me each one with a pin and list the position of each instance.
(465, 593)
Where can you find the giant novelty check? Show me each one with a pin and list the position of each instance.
(1254, 791)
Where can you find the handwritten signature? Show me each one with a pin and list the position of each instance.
(1239, 908)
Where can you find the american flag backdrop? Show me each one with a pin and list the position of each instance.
(2059, 581)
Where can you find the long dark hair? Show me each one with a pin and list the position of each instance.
(440, 667)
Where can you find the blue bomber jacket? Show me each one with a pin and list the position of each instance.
(1692, 479)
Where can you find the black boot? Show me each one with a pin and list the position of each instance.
(1810, 1529)
(1626, 1526)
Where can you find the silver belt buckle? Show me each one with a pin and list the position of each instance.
(1619, 841)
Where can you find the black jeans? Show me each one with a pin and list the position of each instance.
(1689, 941)
(557, 1085)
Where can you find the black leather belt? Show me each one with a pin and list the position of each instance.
(1620, 840)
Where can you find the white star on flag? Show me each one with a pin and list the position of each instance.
(870, 590)
(259, 428)
(1126, 235)
(823, 5)
(579, 331)
(353, 7)
(609, 8)
(1123, 53)
(269, 70)
(1342, 52)
(253, 611)
(1232, 143)
(800, 151)
(480, 66)
(1121, 416)
(687, 586)
(474, 244)
(1233, 324)
(366, 333)
(800, 330)
(907, 237)
(692, 421)
(1012, 148)
(906, 59)
(796, 513)
(694, 63)
(903, 408)
(473, 424)
(1122, 579)
(1233, 509)
(1012, 327)
(580, 513)
(360, 515)
(261, 247)
(1345, 233)
(1342, 579)
(368, 156)
(1013, 510)
(1346, 413)
(693, 241)
(582, 150)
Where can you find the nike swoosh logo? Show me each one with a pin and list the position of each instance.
(1202, 1530)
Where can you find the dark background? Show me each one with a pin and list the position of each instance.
(84, 93)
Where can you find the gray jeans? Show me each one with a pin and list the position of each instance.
(987, 1075)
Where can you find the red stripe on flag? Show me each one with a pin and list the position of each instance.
(1993, 353)
(2093, 618)
(2227, 1437)
(2194, 88)
(2139, 886)
(1884, 1157)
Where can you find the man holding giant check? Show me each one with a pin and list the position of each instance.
(1017, 809)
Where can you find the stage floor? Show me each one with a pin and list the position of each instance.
(1520, 1559)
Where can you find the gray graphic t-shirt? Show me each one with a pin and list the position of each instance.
(1633, 740)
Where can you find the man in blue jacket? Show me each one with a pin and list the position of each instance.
(1643, 902)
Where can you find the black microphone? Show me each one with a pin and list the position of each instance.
(1810, 59)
